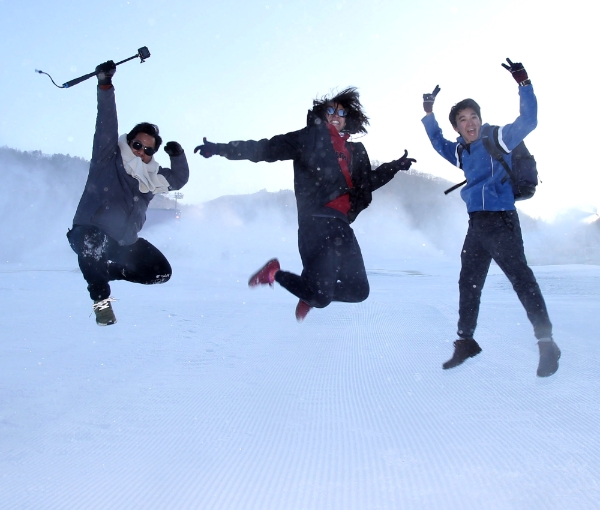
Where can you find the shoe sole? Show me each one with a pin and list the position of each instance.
(445, 367)
(552, 373)
(107, 323)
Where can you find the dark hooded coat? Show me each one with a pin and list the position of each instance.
(112, 200)
(318, 178)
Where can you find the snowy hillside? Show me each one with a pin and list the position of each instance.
(43, 192)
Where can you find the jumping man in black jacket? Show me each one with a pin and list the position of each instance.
(333, 182)
(123, 178)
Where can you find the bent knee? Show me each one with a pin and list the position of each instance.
(364, 294)
(321, 300)
(359, 296)
(163, 272)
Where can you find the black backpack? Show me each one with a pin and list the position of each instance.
(523, 175)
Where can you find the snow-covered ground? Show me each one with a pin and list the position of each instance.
(209, 395)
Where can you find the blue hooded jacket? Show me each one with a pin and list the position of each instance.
(485, 189)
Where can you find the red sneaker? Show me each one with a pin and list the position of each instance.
(265, 275)
(302, 309)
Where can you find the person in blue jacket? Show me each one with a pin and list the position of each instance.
(494, 231)
(122, 180)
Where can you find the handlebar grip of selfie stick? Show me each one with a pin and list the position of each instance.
(75, 81)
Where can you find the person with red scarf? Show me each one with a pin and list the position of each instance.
(333, 183)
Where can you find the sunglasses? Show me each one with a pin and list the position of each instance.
(340, 113)
(148, 151)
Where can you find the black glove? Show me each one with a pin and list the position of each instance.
(173, 149)
(429, 99)
(105, 72)
(518, 72)
(207, 150)
(404, 162)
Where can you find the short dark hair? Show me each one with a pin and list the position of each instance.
(356, 120)
(463, 105)
(146, 128)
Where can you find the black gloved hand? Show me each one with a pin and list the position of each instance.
(207, 150)
(429, 99)
(173, 149)
(404, 162)
(105, 72)
(518, 72)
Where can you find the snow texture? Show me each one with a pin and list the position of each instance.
(209, 395)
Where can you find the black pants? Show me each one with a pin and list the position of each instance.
(102, 259)
(497, 235)
(333, 267)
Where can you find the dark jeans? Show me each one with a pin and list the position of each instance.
(333, 267)
(102, 259)
(497, 235)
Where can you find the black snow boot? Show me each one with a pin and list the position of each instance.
(464, 348)
(549, 356)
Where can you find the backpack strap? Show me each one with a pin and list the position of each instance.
(494, 149)
(459, 151)
(456, 186)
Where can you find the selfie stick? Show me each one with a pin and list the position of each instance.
(143, 53)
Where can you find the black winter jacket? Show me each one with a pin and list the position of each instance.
(318, 178)
(112, 200)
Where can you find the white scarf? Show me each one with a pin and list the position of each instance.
(146, 173)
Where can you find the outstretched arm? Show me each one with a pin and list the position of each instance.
(366, 180)
(385, 173)
(278, 148)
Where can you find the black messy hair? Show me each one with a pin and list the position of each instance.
(148, 129)
(356, 120)
(463, 105)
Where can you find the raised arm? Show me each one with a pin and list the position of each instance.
(429, 99)
(511, 135)
(443, 147)
(177, 176)
(278, 148)
(107, 127)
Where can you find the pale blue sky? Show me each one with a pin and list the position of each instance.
(248, 70)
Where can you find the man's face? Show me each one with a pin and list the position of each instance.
(468, 124)
(146, 141)
(334, 119)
